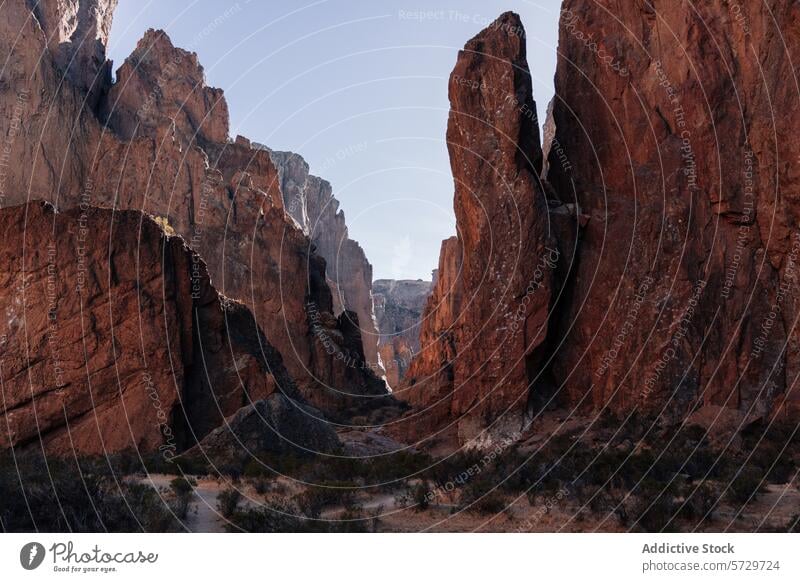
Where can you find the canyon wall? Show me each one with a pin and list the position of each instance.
(488, 313)
(653, 269)
(115, 339)
(156, 141)
(674, 141)
(399, 306)
(666, 232)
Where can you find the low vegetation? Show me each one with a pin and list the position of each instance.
(631, 475)
(64, 495)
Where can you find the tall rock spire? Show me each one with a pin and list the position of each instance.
(489, 310)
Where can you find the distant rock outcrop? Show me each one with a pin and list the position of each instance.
(398, 309)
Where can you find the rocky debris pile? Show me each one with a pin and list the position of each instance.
(266, 429)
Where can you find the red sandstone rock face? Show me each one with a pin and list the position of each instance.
(165, 151)
(677, 141)
(658, 270)
(399, 306)
(77, 33)
(671, 205)
(159, 82)
(114, 338)
(224, 198)
(486, 320)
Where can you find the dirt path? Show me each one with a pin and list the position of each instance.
(203, 515)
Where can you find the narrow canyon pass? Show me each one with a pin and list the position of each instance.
(608, 341)
(399, 305)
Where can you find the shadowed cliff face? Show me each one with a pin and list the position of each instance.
(159, 143)
(656, 269)
(684, 292)
(309, 200)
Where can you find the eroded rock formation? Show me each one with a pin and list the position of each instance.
(76, 33)
(669, 235)
(115, 339)
(655, 269)
(685, 290)
(399, 306)
(268, 428)
(157, 141)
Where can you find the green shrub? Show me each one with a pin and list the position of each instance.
(272, 517)
(181, 486)
(315, 499)
(420, 496)
(745, 485)
(262, 485)
(62, 495)
(654, 507)
(493, 503)
(228, 501)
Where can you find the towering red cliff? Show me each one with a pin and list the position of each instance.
(115, 339)
(488, 312)
(672, 134)
(165, 150)
(672, 283)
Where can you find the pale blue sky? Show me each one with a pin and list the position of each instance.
(357, 88)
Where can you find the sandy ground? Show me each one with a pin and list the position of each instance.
(773, 508)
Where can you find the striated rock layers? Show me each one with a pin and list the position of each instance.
(488, 313)
(115, 339)
(671, 281)
(309, 200)
(157, 141)
(399, 306)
